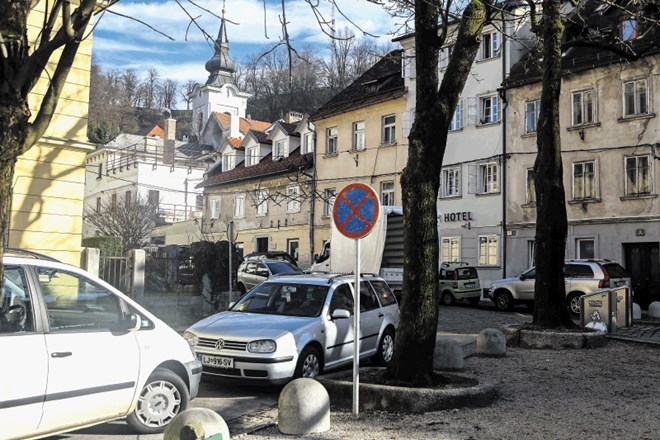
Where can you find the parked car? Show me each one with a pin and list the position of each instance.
(296, 326)
(77, 352)
(582, 277)
(271, 255)
(255, 271)
(459, 281)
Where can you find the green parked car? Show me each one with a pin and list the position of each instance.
(459, 281)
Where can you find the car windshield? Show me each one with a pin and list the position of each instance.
(282, 267)
(289, 299)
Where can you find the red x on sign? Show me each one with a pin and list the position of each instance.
(356, 210)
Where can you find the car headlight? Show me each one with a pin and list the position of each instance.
(262, 346)
(191, 338)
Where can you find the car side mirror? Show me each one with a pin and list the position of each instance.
(130, 323)
(341, 314)
(522, 277)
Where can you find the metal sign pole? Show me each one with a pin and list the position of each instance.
(230, 232)
(356, 332)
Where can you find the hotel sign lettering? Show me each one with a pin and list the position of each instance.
(464, 216)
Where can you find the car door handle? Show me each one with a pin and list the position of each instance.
(380, 314)
(61, 354)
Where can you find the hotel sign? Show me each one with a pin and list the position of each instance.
(464, 216)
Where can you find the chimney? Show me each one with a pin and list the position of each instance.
(169, 141)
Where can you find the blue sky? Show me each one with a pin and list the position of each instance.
(121, 43)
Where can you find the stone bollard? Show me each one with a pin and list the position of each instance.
(491, 342)
(303, 408)
(197, 424)
(637, 311)
(654, 309)
(448, 355)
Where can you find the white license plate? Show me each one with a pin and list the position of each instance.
(217, 361)
(469, 284)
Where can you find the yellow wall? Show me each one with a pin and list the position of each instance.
(375, 164)
(49, 180)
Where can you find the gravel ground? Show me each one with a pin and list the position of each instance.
(605, 393)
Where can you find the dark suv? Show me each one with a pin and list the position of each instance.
(582, 277)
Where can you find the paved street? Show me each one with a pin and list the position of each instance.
(463, 322)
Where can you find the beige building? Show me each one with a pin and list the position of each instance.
(610, 137)
(361, 136)
(263, 186)
(49, 180)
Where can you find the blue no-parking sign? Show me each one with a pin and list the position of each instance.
(356, 210)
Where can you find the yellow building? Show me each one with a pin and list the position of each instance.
(49, 180)
(362, 136)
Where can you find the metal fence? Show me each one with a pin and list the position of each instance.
(113, 269)
(168, 273)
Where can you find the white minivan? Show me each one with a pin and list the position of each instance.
(75, 351)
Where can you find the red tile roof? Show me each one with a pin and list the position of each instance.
(157, 130)
(244, 124)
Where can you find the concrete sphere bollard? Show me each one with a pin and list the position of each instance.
(303, 408)
(196, 424)
(654, 309)
(491, 342)
(636, 311)
(448, 355)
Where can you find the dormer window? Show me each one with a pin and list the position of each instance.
(228, 162)
(252, 156)
(280, 150)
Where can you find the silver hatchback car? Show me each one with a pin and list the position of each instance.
(296, 326)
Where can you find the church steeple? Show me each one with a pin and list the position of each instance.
(221, 66)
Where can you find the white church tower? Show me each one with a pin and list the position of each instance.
(219, 94)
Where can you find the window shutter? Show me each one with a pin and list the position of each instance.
(472, 114)
(472, 178)
(464, 111)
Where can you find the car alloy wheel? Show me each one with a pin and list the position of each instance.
(574, 303)
(386, 348)
(503, 301)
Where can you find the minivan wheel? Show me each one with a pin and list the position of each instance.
(574, 305)
(503, 301)
(447, 298)
(163, 397)
(385, 352)
(309, 364)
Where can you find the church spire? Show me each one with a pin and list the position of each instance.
(221, 66)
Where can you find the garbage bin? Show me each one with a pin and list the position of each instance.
(599, 310)
(623, 306)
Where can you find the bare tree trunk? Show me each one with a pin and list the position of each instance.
(551, 220)
(415, 342)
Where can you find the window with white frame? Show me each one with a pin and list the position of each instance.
(358, 135)
(450, 249)
(331, 140)
(490, 46)
(293, 198)
(638, 174)
(635, 98)
(488, 178)
(585, 248)
(389, 129)
(328, 200)
(215, 207)
(584, 180)
(228, 162)
(451, 182)
(292, 246)
(252, 156)
(308, 143)
(239, 206)
(279, 151)
(456, 122)
(532, 110)
(531, 186)
(262, 202)
(490, 109)
(584, 108)
(387, 193)
(488, 247)
(531, 253)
